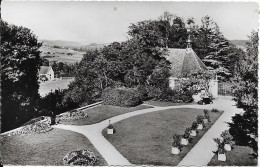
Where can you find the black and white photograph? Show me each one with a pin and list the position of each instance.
(129, 83)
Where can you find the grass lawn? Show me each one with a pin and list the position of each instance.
(102, 112)
(146, 139)
(44, 149)
(165, 104)
(239, 156)
(46, 87)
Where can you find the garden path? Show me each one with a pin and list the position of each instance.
(194, 157)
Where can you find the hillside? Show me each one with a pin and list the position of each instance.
(61, 55)
(66, 51)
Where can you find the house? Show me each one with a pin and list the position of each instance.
(46, 73)
(186, 61)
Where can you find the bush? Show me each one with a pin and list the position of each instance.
(80, 157)
(123, 97)
(214, 110)
(169, 95)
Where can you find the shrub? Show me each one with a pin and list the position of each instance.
(123, 97)
(176, 141)
(142, 91)
(194, 126)
(227, 138)
(214, 110)
(221, 146)
(80, 157)
(200, 119)
(186, 134)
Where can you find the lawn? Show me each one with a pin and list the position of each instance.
(164, 104)
(46, 87)
(239, 156)
(44, 149)
(146, 139)
(103, 112)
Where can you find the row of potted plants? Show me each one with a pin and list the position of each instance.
(224, 144)
(185, 139)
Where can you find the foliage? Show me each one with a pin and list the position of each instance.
(176, 141)
(244, 128)
(20, 62)
(227, 138)
(55, 103)
(206, 114)
(186, 134)
(221, 146)
(123, 97)
(214, 110)
(110, 126)
(194, 126)
(200, 119)
(80, 157)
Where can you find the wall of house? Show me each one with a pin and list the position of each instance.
(213, 88)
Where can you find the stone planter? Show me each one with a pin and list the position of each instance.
(110, 131)
(205, 121)
(193, 133)
(184, 141)
(227, 147)
(175, 150)
(200, 126)
(222, 157)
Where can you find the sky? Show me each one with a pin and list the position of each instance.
(105, 22)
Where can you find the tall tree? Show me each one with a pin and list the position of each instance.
(20, 62)
(244, 128)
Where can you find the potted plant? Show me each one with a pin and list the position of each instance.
(194, 129)
(110, 129)
(206, 116)
(176, 144)
(227, 140)
(221, 150)
(186, 137)
(200, 122)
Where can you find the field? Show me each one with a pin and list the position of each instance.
(49, 86)
(61, 55)
(45, 148)
(146, 139)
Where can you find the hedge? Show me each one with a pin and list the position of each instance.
(123, 97)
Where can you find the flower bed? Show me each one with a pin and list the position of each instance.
(80, 157)
(41, 126)
(75, 115)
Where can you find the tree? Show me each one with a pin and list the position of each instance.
(20, 62)
(244, 128)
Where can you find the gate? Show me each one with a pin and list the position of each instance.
(225, 89)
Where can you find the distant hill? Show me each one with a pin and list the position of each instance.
(61, 43)
(240, 43)
(80, 46)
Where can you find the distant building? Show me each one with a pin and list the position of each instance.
(46, 73)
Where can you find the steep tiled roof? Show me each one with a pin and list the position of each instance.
(44, 70)
(184, 61)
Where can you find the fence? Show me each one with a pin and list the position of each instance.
(225, 89)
